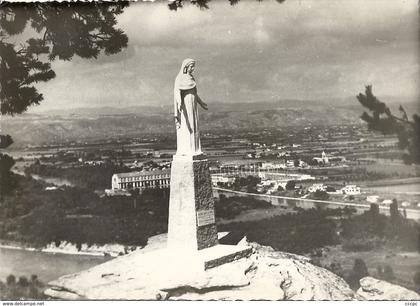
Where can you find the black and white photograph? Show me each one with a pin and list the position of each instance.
(209, 150)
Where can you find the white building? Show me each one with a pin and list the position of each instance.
(269, 185)
(316, 187)
(323, 159)
(94, 162)
(372, 199)
(141, 179)
(290, 163)
(351, 190)
(405, 204)
(284, 177)
(51, 188)
(387, 202)
(222, 178)
(272, 166)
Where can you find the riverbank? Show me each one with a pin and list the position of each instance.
(59, 182)
(106, 250)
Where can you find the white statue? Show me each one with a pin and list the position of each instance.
(186, 110)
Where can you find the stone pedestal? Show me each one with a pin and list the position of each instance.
(192, 232)
(192, 222)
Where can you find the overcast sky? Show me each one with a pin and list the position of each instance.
(253, 51)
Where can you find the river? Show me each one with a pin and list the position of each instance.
(48, 266)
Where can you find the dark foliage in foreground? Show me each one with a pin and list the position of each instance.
(61, 30)
(22, 288)
(58, 31)
(416, 280)
(359, 271)
(7, 179)
(175, 5)
(383, 120)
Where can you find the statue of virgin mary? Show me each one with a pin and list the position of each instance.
(186, 102)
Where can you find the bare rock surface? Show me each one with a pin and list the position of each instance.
(160, 275)
(374, 289)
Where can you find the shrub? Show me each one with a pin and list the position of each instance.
(388, 273)
(11, 280)
(416, 280)
(336, 268)
(320, 195)
(330, 189)
(359, 271)
(290, 185)
(385, 272)
(23, 281)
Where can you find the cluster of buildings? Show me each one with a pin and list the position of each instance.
(289, 161)
(270, 181)
(273, 181)
(346, 190)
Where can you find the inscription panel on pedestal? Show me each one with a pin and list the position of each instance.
(205, 217)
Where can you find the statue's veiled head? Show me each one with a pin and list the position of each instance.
(188, 66)
(185, 79)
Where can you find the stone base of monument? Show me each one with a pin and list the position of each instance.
(192, 222)
(144, 273)
(192, 231)
(211, 257)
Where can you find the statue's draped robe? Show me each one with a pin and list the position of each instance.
(186, 111)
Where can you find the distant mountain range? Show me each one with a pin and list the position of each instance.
(217, 106)
(104, 122)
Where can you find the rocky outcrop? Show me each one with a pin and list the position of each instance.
(159, 274)
(279, 276)
(374, 289)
